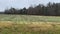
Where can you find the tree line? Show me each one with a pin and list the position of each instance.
(51, 9)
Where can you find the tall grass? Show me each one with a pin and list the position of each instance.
(29, 24)
(42, 28)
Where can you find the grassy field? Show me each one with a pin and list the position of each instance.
(29, 24)
(29, 18)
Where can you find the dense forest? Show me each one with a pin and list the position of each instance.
(51, 9)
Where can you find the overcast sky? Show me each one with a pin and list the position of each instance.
(22, 3)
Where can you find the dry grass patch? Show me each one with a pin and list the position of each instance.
(42, 26)
(6, 23)
(34, 26)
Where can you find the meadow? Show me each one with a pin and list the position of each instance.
(29, 24)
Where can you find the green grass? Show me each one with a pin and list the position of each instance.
(11, 24)
(29, 18)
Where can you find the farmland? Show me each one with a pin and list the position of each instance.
(29, 24)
